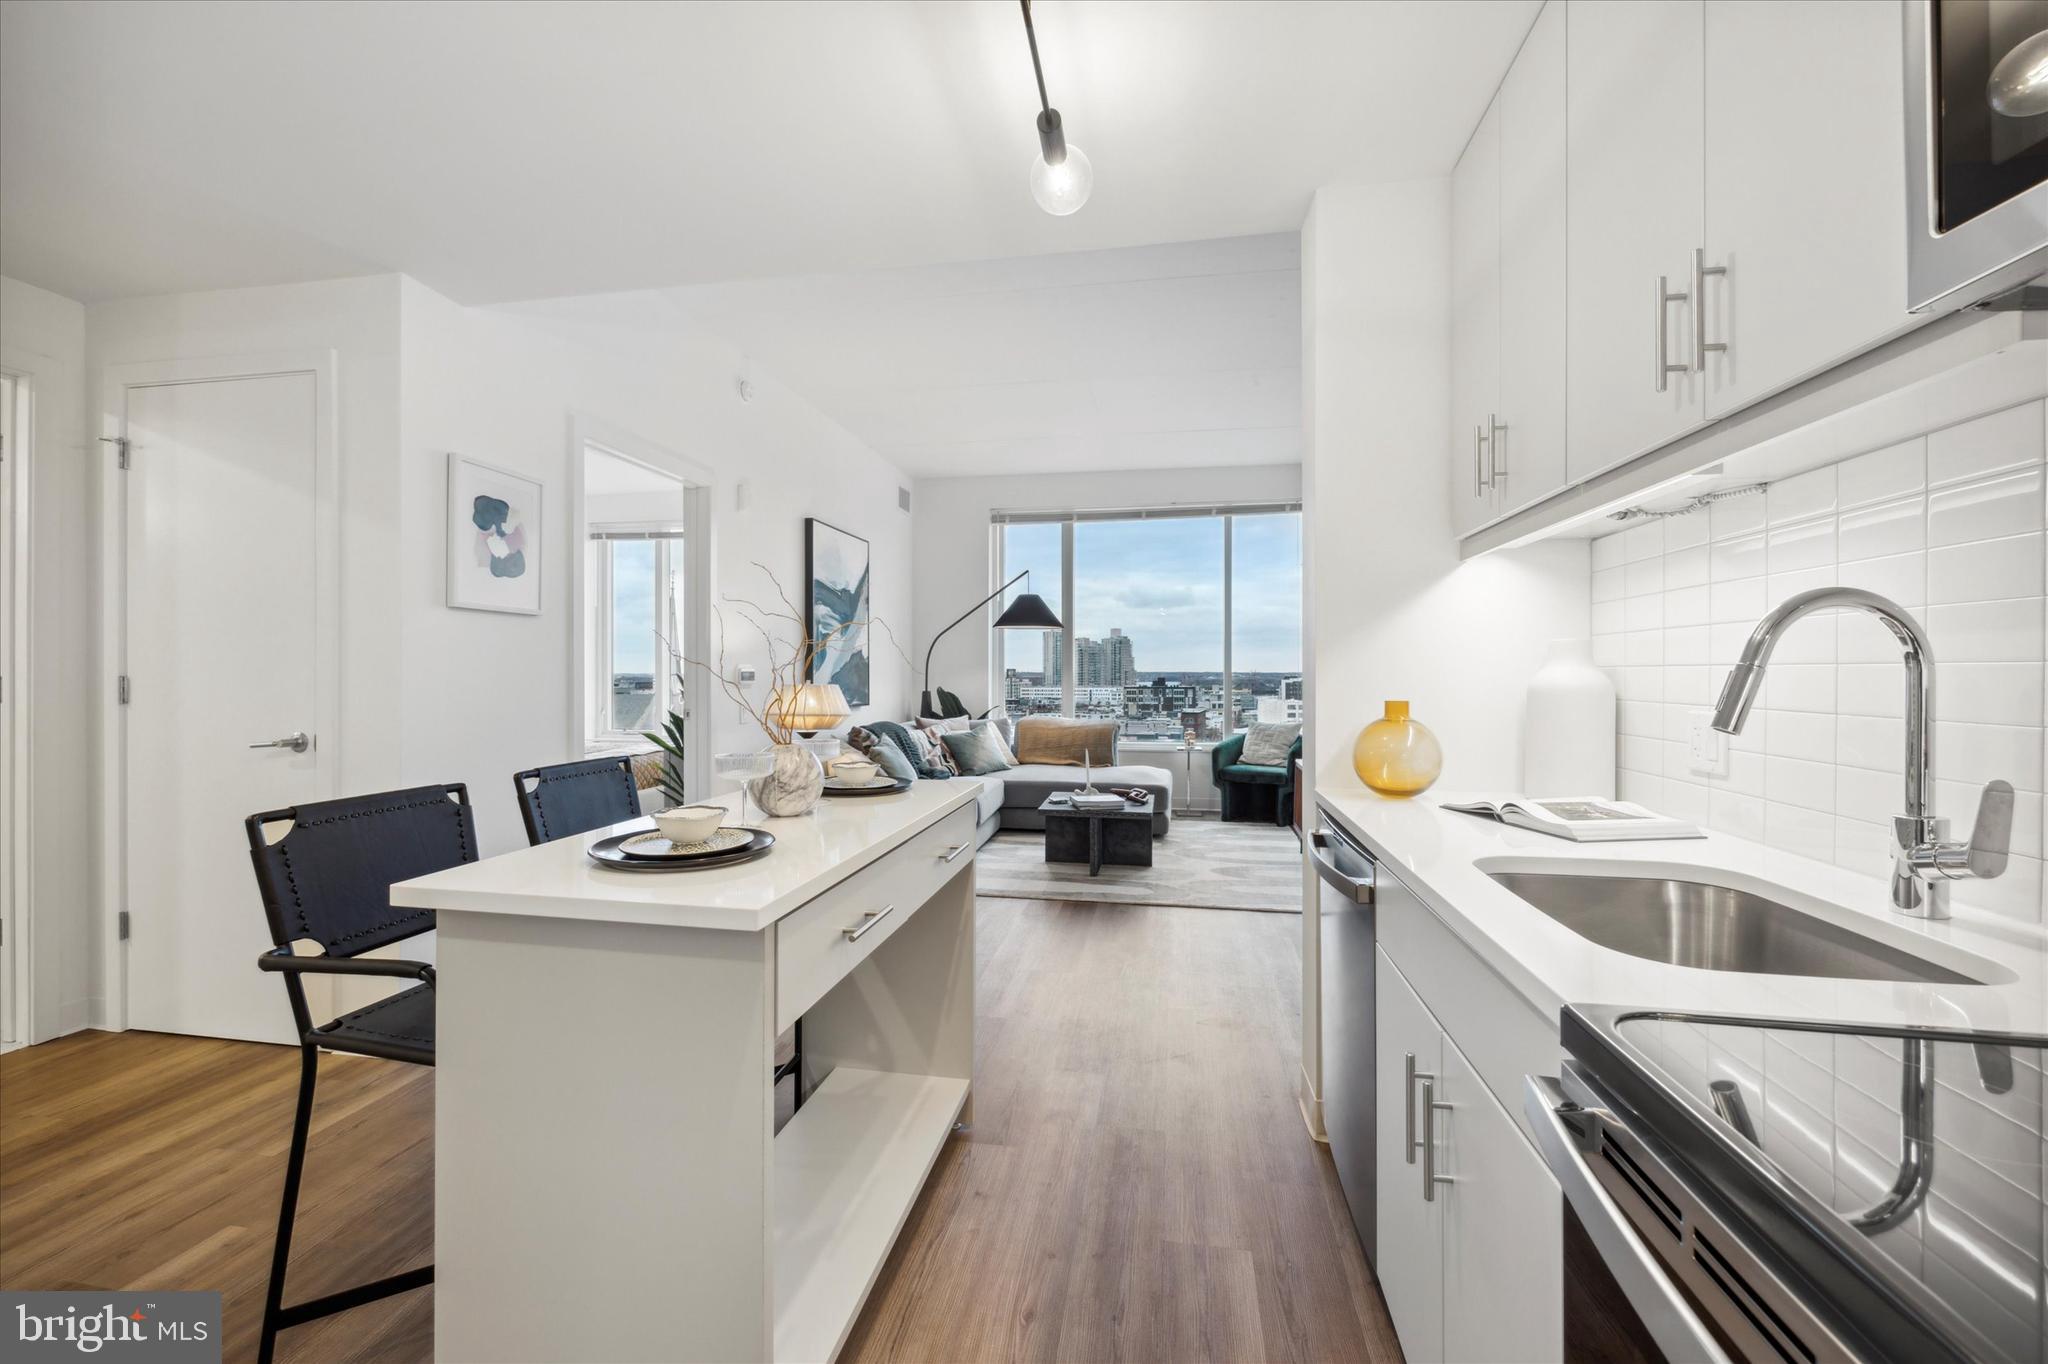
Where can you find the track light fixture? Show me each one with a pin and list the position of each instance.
(1061, 176)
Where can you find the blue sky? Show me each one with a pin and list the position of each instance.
(1162, 583)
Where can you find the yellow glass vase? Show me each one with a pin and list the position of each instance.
(1397, 756)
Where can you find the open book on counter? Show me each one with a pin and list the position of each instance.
(1583, 819)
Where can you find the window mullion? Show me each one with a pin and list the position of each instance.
(1229, 677)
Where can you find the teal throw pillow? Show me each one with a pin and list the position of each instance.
(975, 754)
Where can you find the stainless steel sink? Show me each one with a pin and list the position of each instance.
(1715, 928)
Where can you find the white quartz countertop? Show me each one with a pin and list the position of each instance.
(1444, 858)
(812, 853)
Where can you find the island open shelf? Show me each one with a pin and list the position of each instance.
(848, 1167)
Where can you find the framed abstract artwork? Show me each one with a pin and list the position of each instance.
(836, 569)
(494, 541)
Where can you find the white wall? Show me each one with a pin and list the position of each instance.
(1391, 610)
(955, 558)
(42, 337)
(486, 694)
(1946, 522)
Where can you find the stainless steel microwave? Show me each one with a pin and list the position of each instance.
(1976, 153)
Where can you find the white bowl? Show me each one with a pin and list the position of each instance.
(855, 771)
(689, 823)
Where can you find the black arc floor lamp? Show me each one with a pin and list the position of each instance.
(1027, 612)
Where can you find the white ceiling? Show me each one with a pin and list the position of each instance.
(517, 151)
(1148, 357)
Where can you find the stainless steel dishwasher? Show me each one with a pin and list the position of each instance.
(1346, 910)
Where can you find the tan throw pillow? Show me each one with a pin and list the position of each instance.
(1053, 741)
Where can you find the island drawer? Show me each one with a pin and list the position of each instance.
(813, 951)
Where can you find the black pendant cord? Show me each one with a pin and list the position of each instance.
(1037, 71)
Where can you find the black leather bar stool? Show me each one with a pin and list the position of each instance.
(327, 880)
(574, 798)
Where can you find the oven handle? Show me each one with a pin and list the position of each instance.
(1670, 1319)
(1357, 889)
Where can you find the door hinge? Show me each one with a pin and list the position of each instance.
(122, 689)
(120, 444)
(124, 925)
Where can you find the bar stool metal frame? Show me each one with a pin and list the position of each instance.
(332, 887)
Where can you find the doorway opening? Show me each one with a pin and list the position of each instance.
(14, 727)
(642, 598)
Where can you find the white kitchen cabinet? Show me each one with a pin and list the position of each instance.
(1528, 448)
(1408, 1046)
(1470, 1219)
(1804, 192)
(1475, 324)
(1634, 109)
(1501, 1302)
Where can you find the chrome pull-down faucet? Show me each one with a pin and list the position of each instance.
(1924, 859)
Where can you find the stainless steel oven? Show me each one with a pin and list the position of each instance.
(1976, 153)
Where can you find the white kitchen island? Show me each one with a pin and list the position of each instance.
(608, 1181)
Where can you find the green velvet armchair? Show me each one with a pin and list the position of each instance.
(1253, 791)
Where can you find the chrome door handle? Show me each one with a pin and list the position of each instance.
(1700, 344)
(298, 741)
(867, 921)
(1408, 1088)
(1496, 452)
(1665, 298)
(952, 854)
(1430, 1178)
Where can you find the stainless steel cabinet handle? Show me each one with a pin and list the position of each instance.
(952, 854)
(1430, 1178)
(867, 921)
(1700, 344)
(298, 741)
(1665, 298)
(1479, 484)
(1408, 1090)
(1497, 451)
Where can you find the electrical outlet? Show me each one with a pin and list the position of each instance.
(1707, 747)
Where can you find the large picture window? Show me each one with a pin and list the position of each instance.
(1181, 620)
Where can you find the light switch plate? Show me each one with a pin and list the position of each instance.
(1706, 747)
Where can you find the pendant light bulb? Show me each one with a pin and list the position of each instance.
(1062, 188)
(1061, 176)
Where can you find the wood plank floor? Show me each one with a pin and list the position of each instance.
(1137, 1184)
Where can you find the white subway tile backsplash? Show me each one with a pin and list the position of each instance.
(2007, 631)
(1886, 528)
(1952, 526)
(1989, 693)
(1735, 516)
(1986, 570)
(1891, 472)
(1742, 557)
(2003, 440)
(1686, 567)
(1801, 496)
(1986, 510)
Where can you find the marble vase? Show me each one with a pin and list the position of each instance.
(794, 785)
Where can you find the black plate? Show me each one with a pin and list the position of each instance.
(605, 852)
(623, 839)
(884, 788)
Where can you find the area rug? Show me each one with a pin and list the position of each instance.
(1201, 864)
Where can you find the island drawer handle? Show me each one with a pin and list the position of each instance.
(952, 854)
(868, 921)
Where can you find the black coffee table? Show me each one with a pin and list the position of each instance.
(1119, 836)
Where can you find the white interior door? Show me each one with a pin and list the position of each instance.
(10, 701)
(223, 653)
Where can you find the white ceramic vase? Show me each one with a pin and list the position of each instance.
(793, 787)
(1568, 725)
